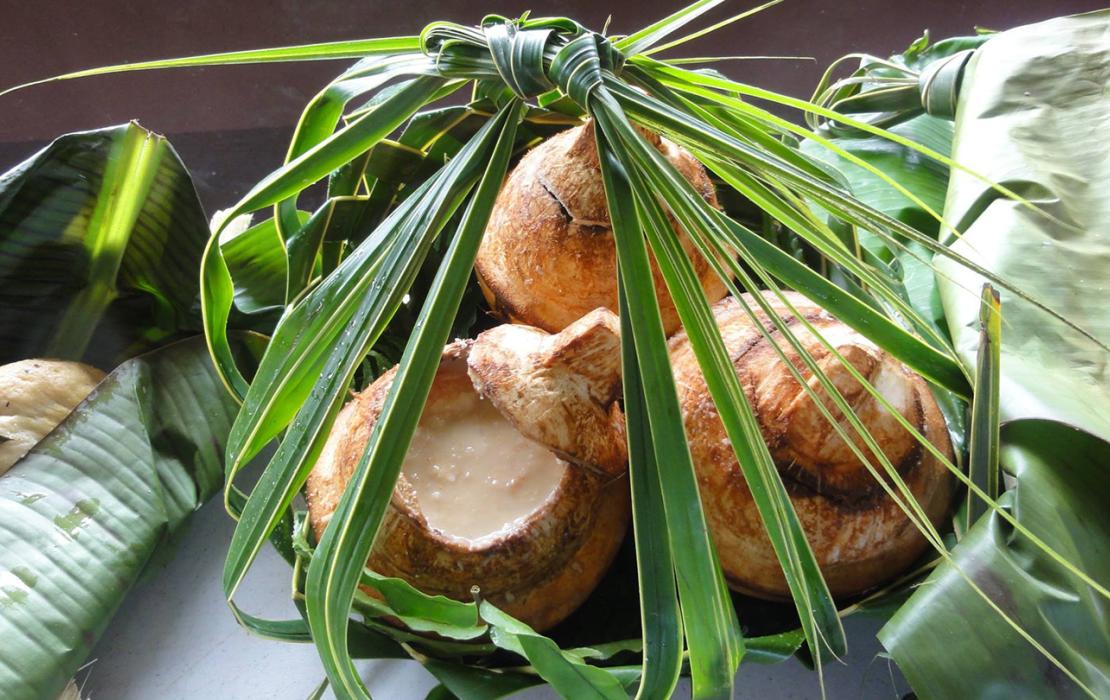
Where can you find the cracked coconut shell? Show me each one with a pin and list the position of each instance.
(859, 535)
(558, 390)
(548, 255)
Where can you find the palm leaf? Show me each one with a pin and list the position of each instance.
(336, 569)
(468, 683)
(712, 633)
(818, 614)
(644, 39)
(983, 462)
(569, 676)
(408, 234)
(309, 52)
(660, 612)
(308, 168)
(847, 207)
(927, 179)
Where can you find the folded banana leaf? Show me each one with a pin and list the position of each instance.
(100, 241)
(101, 235)
(82, 513)
(1033, 115)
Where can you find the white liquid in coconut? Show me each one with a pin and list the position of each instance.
(473, 473)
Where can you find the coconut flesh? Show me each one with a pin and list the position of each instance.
(515, 480)
(456, 461)
(859, 535)
(548, 256)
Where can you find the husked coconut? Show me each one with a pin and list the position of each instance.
(515, 479)
(859, 535)
(548, 256)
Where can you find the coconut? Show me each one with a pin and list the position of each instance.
(858, 534)
(35, 396)
(548, 255)
(515, 481)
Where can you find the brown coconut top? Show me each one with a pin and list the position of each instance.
(548, 255)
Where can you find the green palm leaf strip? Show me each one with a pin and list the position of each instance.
(567, 674)
(257, 262)
(321, 351)
(419, 612)
(474, 683)
(815, 605)
(937, 365)
(714, 147)
(881, 224)
(660, 615)
(714, 142)
(642, 40)
(337, 566)
(308, 52)
(712, 632)
(709, 30)
(983, 461)
(322, 115)
(299, 173)
(768, 119)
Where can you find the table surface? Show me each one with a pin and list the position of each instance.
(174, 636)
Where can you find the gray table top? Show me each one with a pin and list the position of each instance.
(175, 638)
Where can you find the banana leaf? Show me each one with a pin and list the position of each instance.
(82, 513)
(1032, 114)
(948, 640)
(101, 235)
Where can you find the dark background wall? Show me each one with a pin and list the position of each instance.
(230, 123)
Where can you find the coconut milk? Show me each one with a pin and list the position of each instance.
(473, 473)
